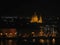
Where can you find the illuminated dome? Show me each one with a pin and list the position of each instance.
(40, 20)
(35, 19)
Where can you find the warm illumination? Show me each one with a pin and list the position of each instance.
(10, 42)
(15, 33)
(10, 35)
(36, 19)
(1, 34)
(53, 34)
(6, 34)
(33, 33)
(53, 41)
(41, 33)
(41, 41)
(40, 20)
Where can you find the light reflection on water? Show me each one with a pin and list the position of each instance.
(14, 42)
(8, 42)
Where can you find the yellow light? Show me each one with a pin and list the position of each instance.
(34, 19)
(5, 33)
(41, 33)
(33, 32)
(41, 40)
(15, 33)
(53, 41)
(40, 20)
(1, 34)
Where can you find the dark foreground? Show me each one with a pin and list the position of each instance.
(26, 41)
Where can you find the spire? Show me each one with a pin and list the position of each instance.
(40, 19)
(34, 18)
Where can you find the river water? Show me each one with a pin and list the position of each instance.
(26, 42)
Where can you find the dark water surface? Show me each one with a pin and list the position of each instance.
(29, 42)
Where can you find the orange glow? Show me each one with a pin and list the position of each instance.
(53, 40)
(41, 40)
(34, 19)
(33, 32)
(41, 33)
(40, 20)
(12, 30)
(6, 34)
(1, 34)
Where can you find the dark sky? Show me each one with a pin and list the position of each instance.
(45, 7)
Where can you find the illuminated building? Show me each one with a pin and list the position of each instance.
(41, 32)
(40, 20)
(35, 19)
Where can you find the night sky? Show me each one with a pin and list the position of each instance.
(27, 8)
